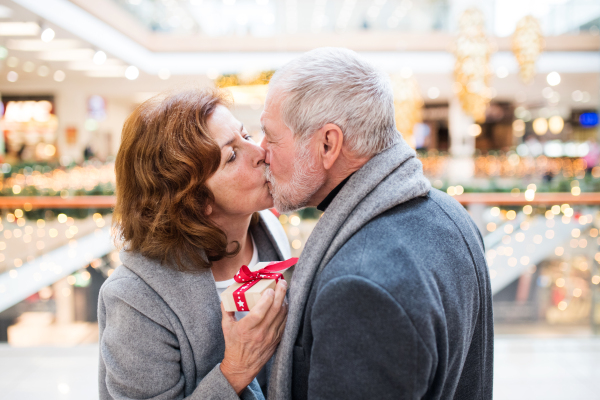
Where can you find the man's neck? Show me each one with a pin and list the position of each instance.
(335, 176)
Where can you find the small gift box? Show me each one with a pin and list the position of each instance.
(251, 284)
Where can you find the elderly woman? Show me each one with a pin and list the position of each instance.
(190, 190)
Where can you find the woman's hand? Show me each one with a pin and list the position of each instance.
(251, 342)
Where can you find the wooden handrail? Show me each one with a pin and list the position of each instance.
(509, 199)
(38, 202)
(492, 199)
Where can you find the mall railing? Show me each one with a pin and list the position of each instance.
(547, 243)
(44, 239)
(542, 251)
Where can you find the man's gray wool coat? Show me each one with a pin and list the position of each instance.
(391, 297)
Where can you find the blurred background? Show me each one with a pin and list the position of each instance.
(498, 97)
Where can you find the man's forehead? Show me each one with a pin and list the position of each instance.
(273, 100)
(270, 111)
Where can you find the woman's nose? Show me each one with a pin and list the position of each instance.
(259, 155)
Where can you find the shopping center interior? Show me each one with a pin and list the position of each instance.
(500, 99)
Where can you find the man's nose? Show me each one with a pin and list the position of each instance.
(263, 145)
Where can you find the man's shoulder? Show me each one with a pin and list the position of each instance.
(408, 245)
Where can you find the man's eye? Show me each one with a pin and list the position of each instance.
(248, 137)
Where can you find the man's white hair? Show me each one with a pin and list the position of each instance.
(335, 85)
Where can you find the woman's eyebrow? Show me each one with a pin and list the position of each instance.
(228, 143)
(232, 139)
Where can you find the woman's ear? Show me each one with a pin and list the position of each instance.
(208, 210)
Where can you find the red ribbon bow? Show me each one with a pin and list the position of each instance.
(251, 278)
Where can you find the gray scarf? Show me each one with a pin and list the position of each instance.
(392, 177)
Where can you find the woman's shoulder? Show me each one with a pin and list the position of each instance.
(125, 285)
(122, 278)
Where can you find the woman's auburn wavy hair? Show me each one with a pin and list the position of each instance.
(166, 156)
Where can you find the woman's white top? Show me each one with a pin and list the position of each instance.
(222, 285)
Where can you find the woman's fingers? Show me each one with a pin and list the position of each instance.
(260, 310)
(228, 317)
(250, 342)
(277, 307)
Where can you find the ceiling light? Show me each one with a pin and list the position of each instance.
(556, 124)
(585, 97)
(12, 62)
(19, 29)
(43, 70)
(3, 52)
(577, 95)
(433, 92)
(59, 76)
(28, 66)
(164, 74)
(88, 65)
(132, 73)
(474, 130)
(102, 73)
(47, 35)
(553, 78)
(67, 55)
(501, 72)
(99, 57)
(540, 126)
(39, 45)
(12, 76)
(547, 92)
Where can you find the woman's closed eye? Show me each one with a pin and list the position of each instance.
(232, 157)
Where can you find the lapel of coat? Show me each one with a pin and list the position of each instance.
(372, 190)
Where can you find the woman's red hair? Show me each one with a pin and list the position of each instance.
(165, 158)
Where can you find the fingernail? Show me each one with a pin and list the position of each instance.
(284, 282)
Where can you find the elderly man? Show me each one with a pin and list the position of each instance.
(391, 297)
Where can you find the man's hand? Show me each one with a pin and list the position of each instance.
(250, 342)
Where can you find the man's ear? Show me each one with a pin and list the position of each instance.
(331, 139)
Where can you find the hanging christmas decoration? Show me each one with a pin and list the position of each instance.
(472, 71)
(527, 45)
(408, 104)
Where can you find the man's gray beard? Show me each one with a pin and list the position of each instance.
(306, 180)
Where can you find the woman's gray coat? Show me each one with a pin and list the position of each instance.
(160, 329)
